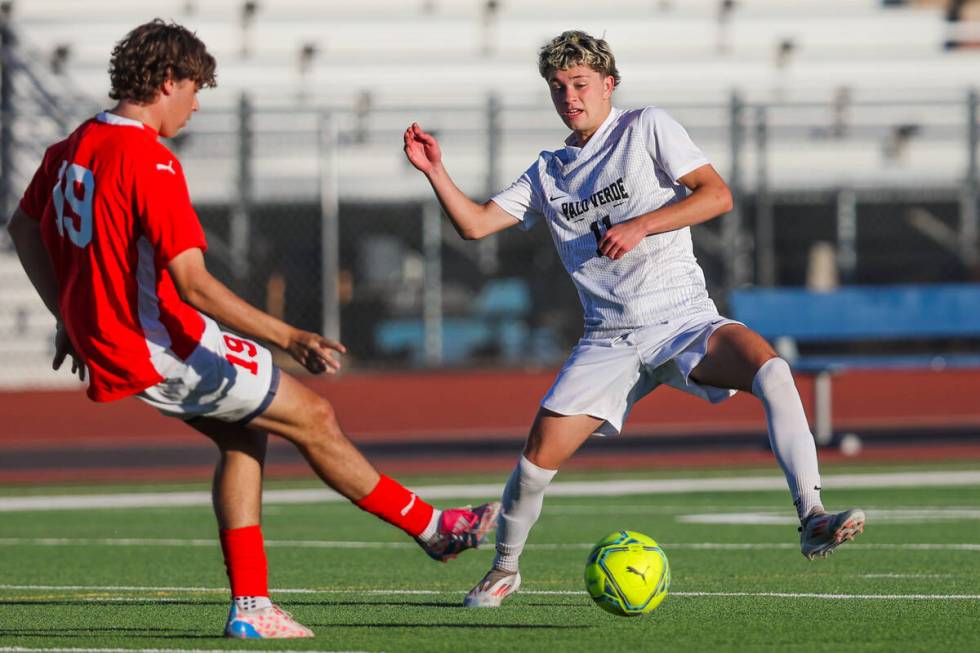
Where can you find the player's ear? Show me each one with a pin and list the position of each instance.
(608, 84)
(168, 86)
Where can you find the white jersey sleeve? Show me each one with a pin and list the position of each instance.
(522, 200)
(669, 144)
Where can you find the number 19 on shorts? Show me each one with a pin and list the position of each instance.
(245, 348)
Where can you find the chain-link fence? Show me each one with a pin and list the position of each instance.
(315, 216)
(37, 107)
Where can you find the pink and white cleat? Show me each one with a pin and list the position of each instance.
(460, 529)
(496, 586)
(264, 623)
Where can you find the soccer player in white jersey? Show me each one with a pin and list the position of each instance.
(619, 199)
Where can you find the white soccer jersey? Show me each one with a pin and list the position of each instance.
(630, 166)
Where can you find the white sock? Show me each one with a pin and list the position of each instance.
(246, 603)
(520, 508)
(432, 528)
(789, 434)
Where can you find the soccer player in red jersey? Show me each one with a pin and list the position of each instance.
(107, 234)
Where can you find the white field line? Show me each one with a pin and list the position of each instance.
(867, 597)
(654, 507)
(340, 544)
(486, 490)
(771, 517)
(635, 508)
(903, 576)
(397, 592)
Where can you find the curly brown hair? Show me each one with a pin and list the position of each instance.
(151, 54)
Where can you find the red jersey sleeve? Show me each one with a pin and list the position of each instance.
(39, 190)
(163, 207)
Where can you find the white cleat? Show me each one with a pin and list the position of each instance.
(823, 532)
(264, 623)
(496, 586)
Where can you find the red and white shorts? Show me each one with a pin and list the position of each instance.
(226, 377)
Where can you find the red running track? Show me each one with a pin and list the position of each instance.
(461, 407)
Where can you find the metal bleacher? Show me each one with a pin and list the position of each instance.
(436, 61)
(26, 332)
(377, 65)
(390, 46)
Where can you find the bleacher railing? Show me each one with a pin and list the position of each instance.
(313, 214)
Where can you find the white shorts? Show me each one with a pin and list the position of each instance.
(226, 377)
(604, 377)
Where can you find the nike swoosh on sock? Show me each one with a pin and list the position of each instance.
(411, 503)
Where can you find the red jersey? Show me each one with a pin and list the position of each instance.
(114, 210)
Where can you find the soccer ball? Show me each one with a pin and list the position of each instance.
(627, 574)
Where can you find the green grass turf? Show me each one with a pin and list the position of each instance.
(348, 605)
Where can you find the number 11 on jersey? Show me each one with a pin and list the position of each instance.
(599, 227)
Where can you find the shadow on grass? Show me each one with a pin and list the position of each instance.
(150, 633)
(102, 603)
(427, 624)
(329, 603)
(450, 605)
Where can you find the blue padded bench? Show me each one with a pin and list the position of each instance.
(460, 337)
(787, 316)
(498, 319)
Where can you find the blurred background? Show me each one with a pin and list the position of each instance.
(847, 130)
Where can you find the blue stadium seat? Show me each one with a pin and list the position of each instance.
(861, 313)
(900, 313)
(497, 322)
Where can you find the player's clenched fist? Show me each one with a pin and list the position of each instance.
(621, 238)
(63, 348)
(422, 149)
(314, 352)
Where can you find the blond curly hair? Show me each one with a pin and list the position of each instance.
(574, 48)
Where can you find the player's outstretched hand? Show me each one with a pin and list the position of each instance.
(621, 238)
(315, 353)
(63, 348)
(422, 149)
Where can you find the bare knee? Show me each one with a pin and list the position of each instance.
(535, 441)
(532, 448)
(231, 437)
(320, 425)
(749, 348)
(247, 441)
(323, 415)
(555, 438)
(548, 457)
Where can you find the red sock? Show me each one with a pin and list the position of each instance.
(396, 504)
(245, 561)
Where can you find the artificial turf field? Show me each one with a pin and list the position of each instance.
(151, 578)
